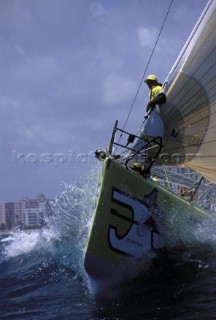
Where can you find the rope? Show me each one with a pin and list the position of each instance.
(134, 100)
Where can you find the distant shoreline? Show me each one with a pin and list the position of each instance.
(6, 232)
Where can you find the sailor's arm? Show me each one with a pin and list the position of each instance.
(160, 98)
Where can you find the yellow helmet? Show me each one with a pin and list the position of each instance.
(151, 77)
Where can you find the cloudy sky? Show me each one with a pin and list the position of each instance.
(68, 70)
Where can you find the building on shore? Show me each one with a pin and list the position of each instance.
(27, 213)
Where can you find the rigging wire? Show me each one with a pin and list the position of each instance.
(151, 55)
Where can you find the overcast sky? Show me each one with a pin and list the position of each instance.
(68, 70)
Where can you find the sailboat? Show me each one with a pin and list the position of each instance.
(136, 216)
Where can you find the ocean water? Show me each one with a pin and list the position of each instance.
(42, 274)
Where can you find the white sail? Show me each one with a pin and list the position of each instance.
(190, 112)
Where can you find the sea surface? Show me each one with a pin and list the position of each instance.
(42, 275)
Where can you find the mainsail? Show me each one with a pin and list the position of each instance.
(190, 114)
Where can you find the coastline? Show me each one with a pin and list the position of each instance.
(8, 232)
(5, 232)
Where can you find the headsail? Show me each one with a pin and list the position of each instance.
(190, 114)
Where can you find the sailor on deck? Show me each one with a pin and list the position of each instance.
(153, 124)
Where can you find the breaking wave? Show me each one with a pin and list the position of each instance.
(64, 236)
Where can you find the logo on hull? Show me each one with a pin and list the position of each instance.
(137, 225)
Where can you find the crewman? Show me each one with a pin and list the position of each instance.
(153, 124)
(156, 94)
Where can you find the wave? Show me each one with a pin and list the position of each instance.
(64, 236)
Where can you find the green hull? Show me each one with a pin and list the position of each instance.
(134, 218)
